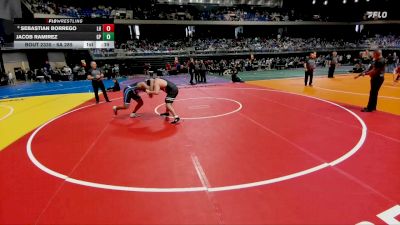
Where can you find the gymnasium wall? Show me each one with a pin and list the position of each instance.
(15, 60)
(56, 59)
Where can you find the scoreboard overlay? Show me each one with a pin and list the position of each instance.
(62, 33)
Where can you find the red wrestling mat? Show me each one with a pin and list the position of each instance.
(242, 155)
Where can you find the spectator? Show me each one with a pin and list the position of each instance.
(146, 68)
(115, 87)
(203, 72)
(197, 69)
(11, 78)
(390, 62)
(234, 76)
(191, 70)
(333, 62)
(259, 44)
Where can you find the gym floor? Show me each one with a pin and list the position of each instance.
(262, 152)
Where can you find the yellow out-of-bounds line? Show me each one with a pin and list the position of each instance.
(342, 89)
(31, 112)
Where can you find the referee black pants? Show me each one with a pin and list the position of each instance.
(331, 71)
(308, 74)
(96, 85)
(203, 76)
(376, 83)
(197, 76)
(191, 76)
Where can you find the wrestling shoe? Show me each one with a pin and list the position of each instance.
(176, 120)
(366, 110)
(115, 110)
(134, 115)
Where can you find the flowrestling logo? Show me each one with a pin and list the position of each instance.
(376, 14)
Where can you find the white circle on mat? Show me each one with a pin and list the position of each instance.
(240, 106)
(10, 112)
(335, 162)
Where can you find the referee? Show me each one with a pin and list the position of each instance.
(332, 64)
(97, 76)
(377, 74)
(309, 67)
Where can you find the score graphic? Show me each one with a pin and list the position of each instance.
(108, 28)
(64, 33)
(108, 32)
(106, 36)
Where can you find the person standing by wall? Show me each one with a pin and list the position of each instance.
(203, 71)
(390, 63)
(221, 68)
(332, 64)
(96, 76)
(197, 71)
(191, 70)
(146, 68)
(11, 78)
(395, 59)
